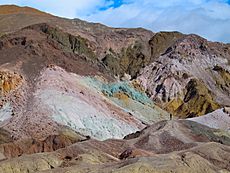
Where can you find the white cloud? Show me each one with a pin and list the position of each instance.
(208, 18)
(63, 8)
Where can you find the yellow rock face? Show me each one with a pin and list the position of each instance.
(173, 105)
(123, 97)
(136, 84)
(197, 101)
(223, 79)
(9, 81)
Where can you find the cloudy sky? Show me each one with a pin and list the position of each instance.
(208, 18)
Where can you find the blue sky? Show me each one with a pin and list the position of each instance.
(208, 18)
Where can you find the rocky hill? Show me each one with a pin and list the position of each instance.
(190, 78)
(84, 97)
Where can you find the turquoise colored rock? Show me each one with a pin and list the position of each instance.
(131, 100)
(126, 88)
(110, 89)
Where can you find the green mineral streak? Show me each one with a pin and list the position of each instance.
(129, 60)
(138, 54)
(126, 88)
(75, 44)
(110, 89)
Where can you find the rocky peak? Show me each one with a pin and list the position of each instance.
(13, 9)
(189, 58)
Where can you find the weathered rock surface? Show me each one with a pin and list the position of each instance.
(125, 44)
(10, 148)
(140, 153)
(61, 76)
(128, 51)
(86, 104)
(219, 119)
(55, 96)
(9, 82)
(191, 78)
